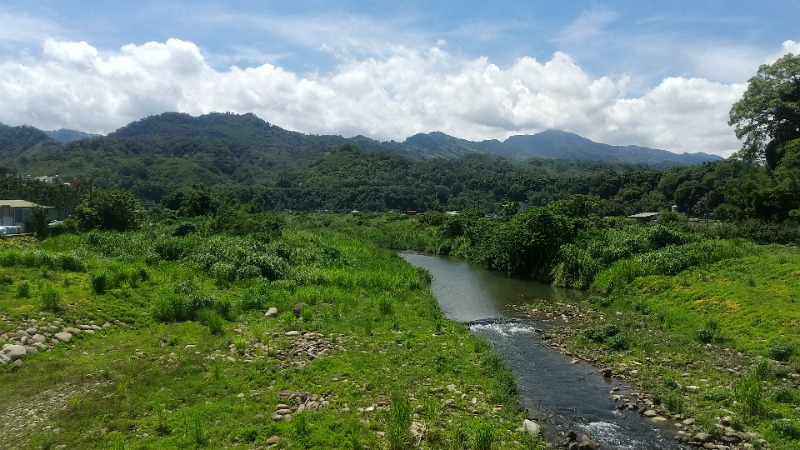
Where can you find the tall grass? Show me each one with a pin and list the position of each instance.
(398, 424)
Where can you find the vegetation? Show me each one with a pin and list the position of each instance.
(183, 355)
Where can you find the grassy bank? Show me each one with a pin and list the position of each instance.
(170, 346)
(714, 345)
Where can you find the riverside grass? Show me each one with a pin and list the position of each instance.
(150, 381)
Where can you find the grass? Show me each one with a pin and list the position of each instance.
(161, 376)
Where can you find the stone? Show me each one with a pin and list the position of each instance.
(587, 443)
(650, 413)
(688, 422)
(15, 352)
(63, 336)
(272, 312)
(702, 437)
(17, 364)
(39, 338)
(607, 372)
(273, 440)
(531, 427)
(71, 330)
(692, 388)
(292, 333)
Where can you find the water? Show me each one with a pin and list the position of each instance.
(563, 395)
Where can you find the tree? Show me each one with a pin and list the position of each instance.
(108, 209)
(768, 114)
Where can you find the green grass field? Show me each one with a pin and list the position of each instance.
(358, 356)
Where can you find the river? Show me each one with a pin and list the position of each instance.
(556, 391)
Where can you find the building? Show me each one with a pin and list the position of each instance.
(14, 214)
(646, 217)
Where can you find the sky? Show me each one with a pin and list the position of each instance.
(655, 74)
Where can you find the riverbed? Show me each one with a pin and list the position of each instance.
(558, 391)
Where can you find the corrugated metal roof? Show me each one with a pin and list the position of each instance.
(20, 204)
(644, 215)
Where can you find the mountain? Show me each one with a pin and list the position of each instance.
(557, 144)
(14, 141)
(66, 136)
(238, 152)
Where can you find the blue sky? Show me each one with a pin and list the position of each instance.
(659, 74)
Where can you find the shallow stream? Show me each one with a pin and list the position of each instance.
(563, 395)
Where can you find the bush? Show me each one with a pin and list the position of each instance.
(786, 428)
(212, 319)
(50, 298)
(24, 289)
(781, 351)
(398, 424)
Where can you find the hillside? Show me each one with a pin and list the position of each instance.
(66, 136)
(248, 158)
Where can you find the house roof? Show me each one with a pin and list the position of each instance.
(644, 215)
(20, 204)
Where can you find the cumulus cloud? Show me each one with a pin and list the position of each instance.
(392, 96)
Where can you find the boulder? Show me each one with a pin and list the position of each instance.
(15, 352)
(531, 427)
(272, 312)
(63, 336)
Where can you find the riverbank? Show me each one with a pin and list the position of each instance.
(176, 340)
(715, 378)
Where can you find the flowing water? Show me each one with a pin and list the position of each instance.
(563, 395)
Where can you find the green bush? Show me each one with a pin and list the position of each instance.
(781, 351)
(50, 298)
(398, 424)
(24, 289)
(786, 428)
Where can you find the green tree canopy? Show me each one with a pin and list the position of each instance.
(768, 114)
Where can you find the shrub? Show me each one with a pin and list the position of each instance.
(212, 319)
(786, 428)
(618, 342)
(99, 282)
(483, 436)
(398, 424)
(781, 351)
(747, 392)
(785, 394)
(50, 298)
(24, 289)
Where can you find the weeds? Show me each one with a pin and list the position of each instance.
(50, 298)
(398, 424)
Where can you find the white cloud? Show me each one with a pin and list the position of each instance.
(392, 96)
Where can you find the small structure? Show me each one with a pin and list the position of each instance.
(14, 214)
(645, 217)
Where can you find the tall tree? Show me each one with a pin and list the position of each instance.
(768, 114)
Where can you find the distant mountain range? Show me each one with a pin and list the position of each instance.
(66, 136)
(550, 144)
(251, 131)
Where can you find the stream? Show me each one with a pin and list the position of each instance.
(556, 392)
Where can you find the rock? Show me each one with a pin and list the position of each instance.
(530, 427)
(273, 440)
(71, 330)
(292, 333)
(587, 443)
(272, 312)
(702, 437)
(688, 422)
(4, 359)
(39, 338)
(15, 352)
(63, 336)
(298, 308)
(650, 413)
(692, 388)
(607, 372)
(16, 365)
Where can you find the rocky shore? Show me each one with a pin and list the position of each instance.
(568, 321)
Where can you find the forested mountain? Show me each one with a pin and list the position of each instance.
(66, 136)
(246, 158)
(562, 145)
(14, 141)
